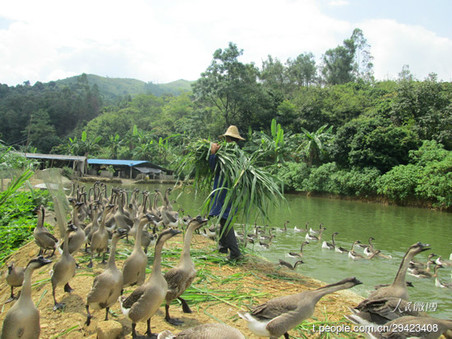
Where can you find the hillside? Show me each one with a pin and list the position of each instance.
(114, 88)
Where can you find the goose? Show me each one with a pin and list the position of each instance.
(418, 264)
(352, 254)
(313, 237)
(289, 265)
(425, 327)
(340, 249)
(121, 217)
(43, 238)
(205, 331)
(438, 283)
(279, 315)
(332, 244)
(314, 232)
(99, 239)
(22, 319)
(420, 272)
(368, 248)
(134, 268)
(284, 228)
(93, 225)
(298, 254)
(145, 300)
(179, 278)
(442, 262)
(107, 286)
(398, 287)
(14, 278)
(380, 311)
(76, 238)
(62, 272)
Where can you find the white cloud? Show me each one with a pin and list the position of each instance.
(162, 41)
(394, 45)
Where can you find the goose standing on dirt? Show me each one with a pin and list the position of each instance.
(179, 278)
(76, 238)
(134, 268)
(43, 238)
(99, 239)
(398, 287)
(145, 300)
(62, 272)
(205, 331)
(107, 286)
(14, 278)
(22, 319)
(279, 315)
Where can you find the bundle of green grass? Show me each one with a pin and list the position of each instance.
(250, 190)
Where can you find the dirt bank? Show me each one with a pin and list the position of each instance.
(251, 282)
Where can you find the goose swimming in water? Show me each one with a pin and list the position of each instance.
(289, 265)
(277, 316)
(438, 283)
(300, 253)
(330, 245)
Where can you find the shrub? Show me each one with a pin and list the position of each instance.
(400, 182)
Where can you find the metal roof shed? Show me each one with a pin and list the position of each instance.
(78, 162)
(132, 164)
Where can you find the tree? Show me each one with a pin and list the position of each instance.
(40, 132)
(315, 145)
(232, 88)
(302, 71)
(348, 62)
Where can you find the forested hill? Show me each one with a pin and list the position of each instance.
(113, 88)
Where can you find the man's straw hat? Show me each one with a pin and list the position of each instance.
(232, 132)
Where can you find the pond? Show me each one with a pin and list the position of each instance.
(393, 228)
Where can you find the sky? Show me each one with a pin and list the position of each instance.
(160, 41)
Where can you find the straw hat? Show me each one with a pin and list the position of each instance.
(232, 132)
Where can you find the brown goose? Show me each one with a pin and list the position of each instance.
(380, 311)
(134, 268)
(107, 286)
(62, 272)
(398, 287)
(14, 278)
(145, 300)
(76, 238)
(99, 239)
(179, 278)
(22, 319)
(300, 253)
(279, 315)
(289, 265)
(205, 331)
(43, 238)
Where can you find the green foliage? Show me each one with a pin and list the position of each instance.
(357, 182)
(321, 179)
(399, 183)
(249, 189)
(17, 220)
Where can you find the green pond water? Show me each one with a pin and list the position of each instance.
(394, 229)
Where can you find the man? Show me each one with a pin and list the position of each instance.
(227, 241)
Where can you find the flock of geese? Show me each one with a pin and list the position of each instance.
(98, 221)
